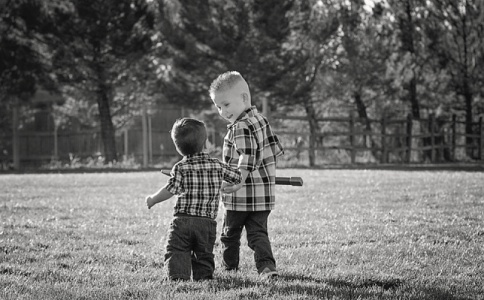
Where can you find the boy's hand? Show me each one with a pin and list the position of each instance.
(150, 202)
(228, 188)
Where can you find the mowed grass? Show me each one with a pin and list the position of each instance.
(347, 234)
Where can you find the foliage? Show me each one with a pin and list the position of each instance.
(112, 58)
(380, 58)
(84, 49)
(98, 44)
(347, 234)
(24, 59)
(91, 163)
(209, 37)
(458, 45)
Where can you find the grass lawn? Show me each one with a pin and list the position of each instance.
(346, 234)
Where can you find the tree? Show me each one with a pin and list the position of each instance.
(309, 53)
(25, 64)
(202, 39)
(457, 36)
(277, 45)
(98, 41)
(362, 63)
(208, 37)
(404, 12)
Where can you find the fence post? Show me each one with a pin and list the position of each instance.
(144, 126)
(15, 137)
(432, 137)
(454, 124)
(150, 141)
(352, 137)
(56, 142)
(441, 145)
(481, 139)
(383, 158)
(126, 144)
(409, 137)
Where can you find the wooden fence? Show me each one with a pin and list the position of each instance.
(37, 148)
(147, 140)
(389, 141)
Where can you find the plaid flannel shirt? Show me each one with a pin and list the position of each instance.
(251, 144)
(197, 180)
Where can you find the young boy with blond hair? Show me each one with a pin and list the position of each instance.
(252, 147)
(197, 180)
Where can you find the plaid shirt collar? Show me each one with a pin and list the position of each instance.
(248, 113)
(196, 156)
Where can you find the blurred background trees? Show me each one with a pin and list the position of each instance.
(107, 60)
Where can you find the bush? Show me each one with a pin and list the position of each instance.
(91, 162)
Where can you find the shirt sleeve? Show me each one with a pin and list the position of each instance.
(231, 174)
(175, 183)
(279, 150)
(246, 146)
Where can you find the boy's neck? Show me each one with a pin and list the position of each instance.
(244, 112)
(196, 154)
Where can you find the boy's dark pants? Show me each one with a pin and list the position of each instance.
(190, 248)
(255, 223)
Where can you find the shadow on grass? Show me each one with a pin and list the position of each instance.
(390, 284)
(346, 289)
(454, 167)
(324, 288)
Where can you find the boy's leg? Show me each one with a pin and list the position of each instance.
(203, 264)
(178, 249)
(258, 240)
(230, 238)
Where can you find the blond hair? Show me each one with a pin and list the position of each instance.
(226, 81)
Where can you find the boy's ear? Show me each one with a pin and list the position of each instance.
(245, 97)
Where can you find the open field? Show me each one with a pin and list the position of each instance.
(347, 234)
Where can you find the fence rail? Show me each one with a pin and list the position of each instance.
(436, 140)
(39, 147)
(389, 141)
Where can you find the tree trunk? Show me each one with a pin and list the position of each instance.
(407, 28)
(361, 108)
(466, 90)
(413, 98)
(15, 136)
(469, 130)
(107, 127)
(313, 131)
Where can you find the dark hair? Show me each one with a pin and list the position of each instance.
(189, 136)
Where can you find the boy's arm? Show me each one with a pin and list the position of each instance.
(246, 146)
(230, 188)
(161, 195)
(244, 173)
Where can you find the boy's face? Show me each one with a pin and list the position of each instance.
(231, 103)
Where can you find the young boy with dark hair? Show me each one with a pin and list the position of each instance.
(197, 180)
(252, 147)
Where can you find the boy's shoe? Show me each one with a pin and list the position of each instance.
(268, 273)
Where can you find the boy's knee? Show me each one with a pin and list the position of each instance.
(231, 232)
(177, 265)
